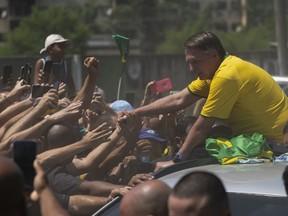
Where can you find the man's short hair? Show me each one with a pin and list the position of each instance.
(202, 183)
(205, 41)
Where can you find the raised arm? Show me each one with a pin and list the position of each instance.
(12, 121)
(97, 155)
(15, 109)
(12, 97)
(48, 101)
(168, 104)
(90, 140)
(86, 92)
(70, 113)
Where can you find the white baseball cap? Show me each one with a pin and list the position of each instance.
(52, 39)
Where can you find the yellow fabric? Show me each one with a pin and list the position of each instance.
(224, 161)
(264, 154)
(166, 151)
(246, 96)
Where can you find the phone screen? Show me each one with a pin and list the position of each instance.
(24, 153)
(39, 91)
(47, 70)
(26, 73)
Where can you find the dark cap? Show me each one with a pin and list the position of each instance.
(148, 133)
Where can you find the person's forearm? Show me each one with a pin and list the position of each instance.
(33, 132)
(11, 123)
(85, 205)
(49, 204)
(94, 158)
(196, 135)
(193, 139)
(115, 156)
(21, 124)
(26, 121)
(86, 92)
(14, 109)
(56, 156)
(168, 104)
(4, 103)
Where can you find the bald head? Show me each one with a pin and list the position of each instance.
(11, 187)
(60, 135)
(149, 197)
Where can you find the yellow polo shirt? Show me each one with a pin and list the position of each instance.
(246, 96)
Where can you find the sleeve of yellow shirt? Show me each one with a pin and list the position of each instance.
(200, 87)
(223, 95)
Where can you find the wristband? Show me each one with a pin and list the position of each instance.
(7, 99)
(178, 157)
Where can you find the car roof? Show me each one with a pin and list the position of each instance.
(280, 79)
(259, 179)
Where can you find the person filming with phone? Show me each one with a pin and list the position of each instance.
(54, 67)
(238, 93)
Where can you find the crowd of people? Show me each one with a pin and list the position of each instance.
(90, 150)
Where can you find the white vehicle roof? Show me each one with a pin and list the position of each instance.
(280, 79)
(264, 178)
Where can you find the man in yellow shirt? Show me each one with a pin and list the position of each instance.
(238, 93)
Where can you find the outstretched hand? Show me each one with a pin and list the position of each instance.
(118, 192)
(162, 164)
(127, 122)
(18, 91)
(69, 114)
(139, 178)
(99, 135)
(148, 96)
(48, 102)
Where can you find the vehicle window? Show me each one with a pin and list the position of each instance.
(257, 205)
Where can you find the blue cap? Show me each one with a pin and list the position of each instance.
(148, 133)
(121, 105)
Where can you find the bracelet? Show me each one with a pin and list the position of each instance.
(178, 157)
(7, 99)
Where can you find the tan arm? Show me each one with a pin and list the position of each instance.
(86, 92)
(48, 203)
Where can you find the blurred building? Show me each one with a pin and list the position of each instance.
(13, 11)
(226, 14)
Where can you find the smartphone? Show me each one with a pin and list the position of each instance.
(39, 91)
(26, 73)
(161, 86)
(56, 85)
(47, 70)
(24, 154)
(56, 71)
(7, 74)
(29, 74)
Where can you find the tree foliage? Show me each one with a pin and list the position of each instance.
(256, 36)
(148, 20)
(29, 37)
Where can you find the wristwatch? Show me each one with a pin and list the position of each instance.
(178, 158)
